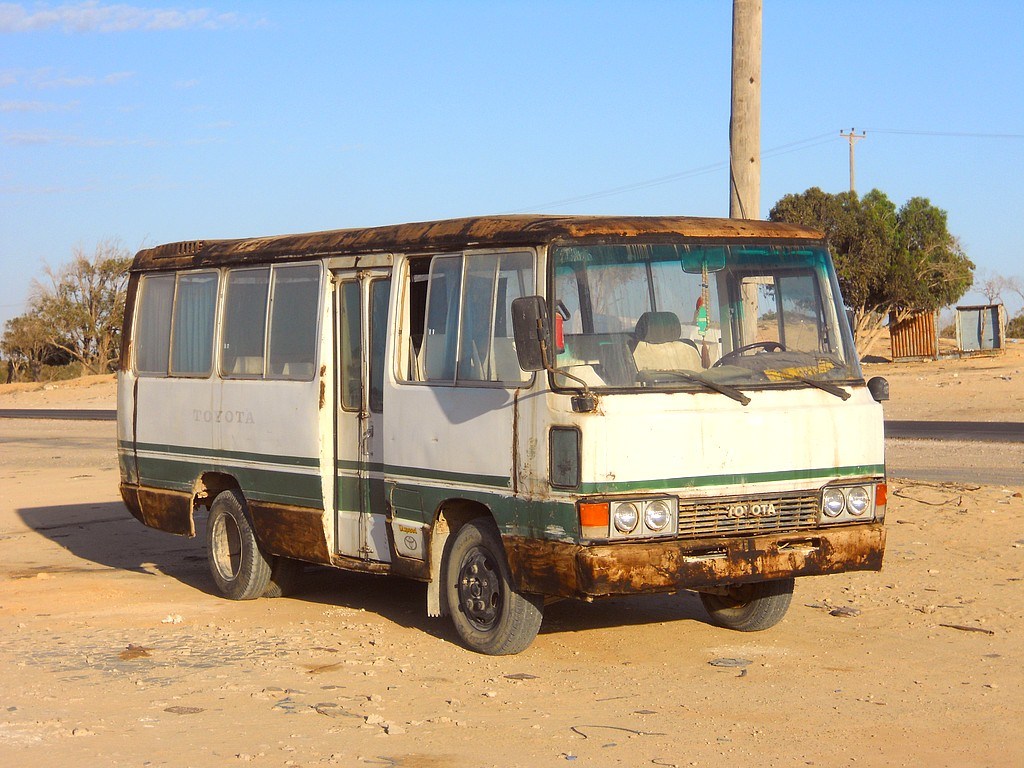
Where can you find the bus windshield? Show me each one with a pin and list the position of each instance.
(691, 316)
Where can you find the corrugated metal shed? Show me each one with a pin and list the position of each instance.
(914, 337)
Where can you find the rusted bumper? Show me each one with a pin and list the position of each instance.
(574, 570)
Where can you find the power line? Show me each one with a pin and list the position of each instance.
(956, 134)
(783, 149)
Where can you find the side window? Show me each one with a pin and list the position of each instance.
(195, 305)
(800, 319)
(460, 317)
(787, 311)
(515, 279)
(444, 289)
(477, 318)
(380, 291)
(152, 342)
(294, 308)
(245, 321)
(349, 345)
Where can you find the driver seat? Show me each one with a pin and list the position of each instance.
(658, 346)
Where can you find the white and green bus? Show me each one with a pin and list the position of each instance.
(511, 409)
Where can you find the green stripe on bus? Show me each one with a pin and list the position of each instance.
(422, 473)
(746, 478)
(257, 458)
(258, 484)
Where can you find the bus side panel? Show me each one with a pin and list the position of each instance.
(263, 435)
(445, 442)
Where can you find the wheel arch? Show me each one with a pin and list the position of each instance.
(209, 485)
(451, 515)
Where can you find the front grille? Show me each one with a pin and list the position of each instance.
(724, 516)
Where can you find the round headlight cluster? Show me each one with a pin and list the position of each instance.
(857, 501)
(845, 503)
(626, 517)
(657, 515)
(833, 502)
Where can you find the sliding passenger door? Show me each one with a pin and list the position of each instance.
(361, 313)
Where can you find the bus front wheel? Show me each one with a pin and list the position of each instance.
(749, 607)
(489, 614)
(240, 570)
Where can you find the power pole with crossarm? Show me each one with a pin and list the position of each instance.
(852, 136)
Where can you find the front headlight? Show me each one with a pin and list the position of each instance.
(852, 504)
(857, 501)
(657, 515)
(833, 502)
(626, 517)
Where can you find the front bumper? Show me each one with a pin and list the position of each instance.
(574, 570)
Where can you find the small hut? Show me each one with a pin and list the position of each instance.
(981, 328)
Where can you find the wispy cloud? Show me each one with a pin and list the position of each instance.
(37, 106)
(47, 77)
(51, 138)
(94, 16)
(80, 81)
(21, 190)
(44, 138)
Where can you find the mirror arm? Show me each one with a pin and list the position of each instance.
(586, 402)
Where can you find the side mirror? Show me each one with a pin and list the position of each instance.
(531, 329)
(879, 389)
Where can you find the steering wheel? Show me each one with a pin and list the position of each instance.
(767, 346)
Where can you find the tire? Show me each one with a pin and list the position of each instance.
(240, 570)
(285, 576)
(750, 607)
(489, 614)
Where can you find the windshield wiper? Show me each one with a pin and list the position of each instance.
(723, 389)
(832, 389)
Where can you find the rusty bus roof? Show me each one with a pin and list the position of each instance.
(455, 234)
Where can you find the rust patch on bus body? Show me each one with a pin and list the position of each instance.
(574, 570)
(438, 236)
(296, 532)
(164, 510)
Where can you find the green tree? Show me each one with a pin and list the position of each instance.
(82, 305)
(888, 260)
(1015, 328)
(26, 345)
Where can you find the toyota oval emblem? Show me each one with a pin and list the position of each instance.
(411, 543)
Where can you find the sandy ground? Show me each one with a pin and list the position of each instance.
(114, 651)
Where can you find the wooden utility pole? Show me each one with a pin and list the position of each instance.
(852, 136)
(745, 118)
(745, 134)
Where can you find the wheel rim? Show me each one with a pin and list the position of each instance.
(227, 547)
(479, 589)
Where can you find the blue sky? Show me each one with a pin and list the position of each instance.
(153, 122)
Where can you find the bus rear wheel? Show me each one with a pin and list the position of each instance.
(489, 614)
(749, 607)
(240, 570)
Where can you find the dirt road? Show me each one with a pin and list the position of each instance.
(115, 652)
